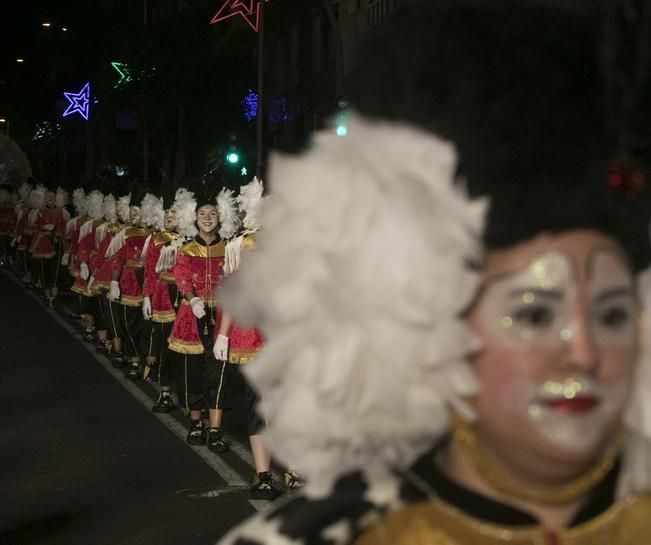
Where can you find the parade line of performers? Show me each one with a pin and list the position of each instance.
(145, 267)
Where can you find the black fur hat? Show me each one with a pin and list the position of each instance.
(531, 94)
(206, 190)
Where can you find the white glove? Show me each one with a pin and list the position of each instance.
(91, 281)
(198, 307)
(114, 292)
(220, 349)
(48, 227)
(83, 271)
(146, 308)
(64, 259)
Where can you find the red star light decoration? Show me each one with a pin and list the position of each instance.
(249, 10)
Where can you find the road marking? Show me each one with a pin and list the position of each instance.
(231, 477)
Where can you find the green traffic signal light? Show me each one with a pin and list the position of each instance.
(233, 158)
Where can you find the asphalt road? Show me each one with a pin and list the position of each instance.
(83, 460)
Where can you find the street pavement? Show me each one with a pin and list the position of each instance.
(84, 461)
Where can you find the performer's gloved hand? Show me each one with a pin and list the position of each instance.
(146, 308)
(83, 271)
(64, 259)
(114, 291)
(198, 307)
(48, 227)
(220, 349)
(91, 281)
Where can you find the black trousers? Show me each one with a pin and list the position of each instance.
(203, 382)
(162, 353)
(130, 329)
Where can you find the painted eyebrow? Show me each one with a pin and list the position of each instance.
(612, 293)
(549, 294)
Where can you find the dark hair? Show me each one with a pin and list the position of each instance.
(519, 87)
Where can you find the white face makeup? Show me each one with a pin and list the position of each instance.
(135, 215)
(541, 313)
(170, 220)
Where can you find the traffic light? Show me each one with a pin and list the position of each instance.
(232, 157)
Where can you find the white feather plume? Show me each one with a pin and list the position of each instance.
(94, 202)
(79, 201)
(635, 475)
(228, 219)
(109, 208)
(249, 201)
(358, 283)
(185, 208)
(34, 214)
(24, 190)
(123, 208)
(37, 197)
(99, 233)
(116, 243)
(86, 229)
(153, 213)
(61, 198)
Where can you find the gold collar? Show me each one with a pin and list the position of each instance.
(194, 249)
(433, 522)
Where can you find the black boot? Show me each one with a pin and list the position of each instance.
(197, 434)
(165, 404)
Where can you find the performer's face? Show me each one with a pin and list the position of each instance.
(170, 219)
(135, 215)
(207, 218)
(558, 319)
(50, 199)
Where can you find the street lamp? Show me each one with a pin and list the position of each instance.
(19, 60)
(4, 121)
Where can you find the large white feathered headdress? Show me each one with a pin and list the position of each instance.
(185, 208)
(37, 197)
(109, 208)
(123, 208)
(249, 201)
(153, 213)
(363, 345)
(79, 201)
(94, 201)
(228, 219)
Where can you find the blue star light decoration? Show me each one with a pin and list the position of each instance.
(79, 103)
(249, 10)
(250, 105)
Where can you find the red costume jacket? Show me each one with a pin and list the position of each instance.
(243, 342)
(86, 252)
(44, 243)
(73, 248)
(157, 285)
(198, 271)
(23, 232)
(101, 268)
(128, 261)
(7, 219)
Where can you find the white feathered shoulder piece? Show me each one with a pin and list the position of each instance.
(24, 190)
(185, 208)
(249, 201)
(79, 201)
(95, 201)
(109, 208)
(37, 197)
(152, 211)
(167, 257)
(228, 219)
(123, 208)
(358, 283)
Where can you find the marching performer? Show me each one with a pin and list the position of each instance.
(49, 243)
(203, 379)
(452, 294)
(21, 236)
(162, 298)
(7, 222)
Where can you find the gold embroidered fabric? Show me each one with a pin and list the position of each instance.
(194, 249)
(627, 522)
(163, 237)
(135, 232)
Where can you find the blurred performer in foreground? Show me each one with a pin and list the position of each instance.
(450, 295)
